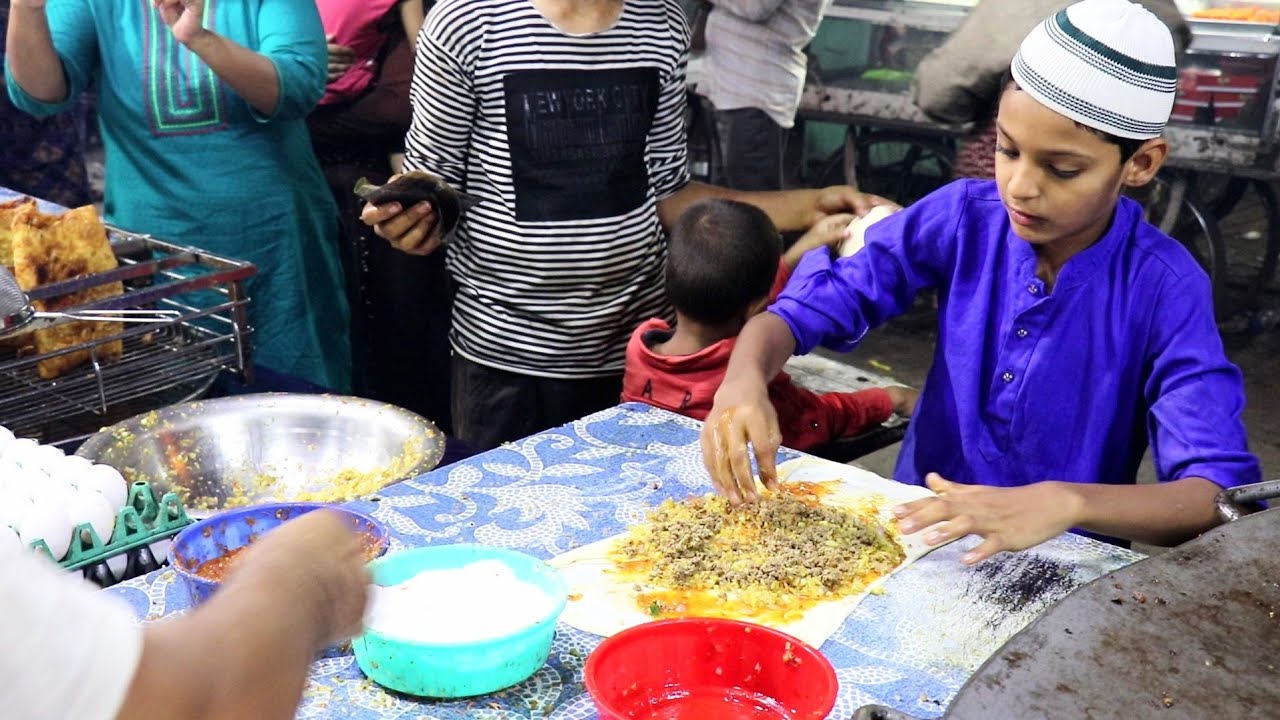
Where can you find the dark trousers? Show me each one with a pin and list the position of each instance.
(492, 406)
(752, 146)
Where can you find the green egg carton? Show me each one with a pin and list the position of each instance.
(142, 521)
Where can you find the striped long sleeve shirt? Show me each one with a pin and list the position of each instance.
(569, 142)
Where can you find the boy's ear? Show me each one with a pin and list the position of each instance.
(1146, 162)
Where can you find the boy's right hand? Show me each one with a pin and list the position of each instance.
(415, 231)
(742, 414)
(904, 399)
(828, 232)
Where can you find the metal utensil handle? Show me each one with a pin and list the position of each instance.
(1233, 503)
(133, 316)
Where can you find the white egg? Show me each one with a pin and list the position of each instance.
(55, 497)
(74, 465)
(14, 509)
(9, 536)
(108, 481)
(160, 549)
(47, 456)
(49, 524)
(117, 565)
(28, 482)
(8, 473)
(20, 451)
(63, 473)
(88, 506)
(6, 439)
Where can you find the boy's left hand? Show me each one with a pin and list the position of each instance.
(844, 199)
(830, 231)
(1005, 518)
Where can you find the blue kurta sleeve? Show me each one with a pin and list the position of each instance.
(291, 36)
(72, 26)
(1195, 395)
(835, 302)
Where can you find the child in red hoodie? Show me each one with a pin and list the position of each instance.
(724, 265)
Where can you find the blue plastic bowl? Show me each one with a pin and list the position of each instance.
(219, 534)
(453, 670)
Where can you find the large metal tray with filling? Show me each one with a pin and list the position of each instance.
(270, 447)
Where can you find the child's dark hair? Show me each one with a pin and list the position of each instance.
(1128, 146)
(723, 256)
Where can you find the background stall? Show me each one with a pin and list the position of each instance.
(858, 123)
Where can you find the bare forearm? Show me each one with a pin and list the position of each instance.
(412, 15)
(790, 210)
(762, 348)
(239, 656)
(1160, 514)
(32, 60)
(250, 74)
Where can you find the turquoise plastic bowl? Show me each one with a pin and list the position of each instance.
(453, 670)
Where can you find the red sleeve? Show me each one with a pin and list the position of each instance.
(779, 281)
(809, 420)
(854, 413)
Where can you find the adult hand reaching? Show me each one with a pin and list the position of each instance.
(318, 563)
(838, 199)
(341, 58)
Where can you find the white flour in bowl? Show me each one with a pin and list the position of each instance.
(480, 601)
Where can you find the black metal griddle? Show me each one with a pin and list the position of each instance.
(1191, 633)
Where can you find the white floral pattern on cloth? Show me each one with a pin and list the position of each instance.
(910, 648)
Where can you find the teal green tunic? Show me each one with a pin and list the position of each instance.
(188, 160)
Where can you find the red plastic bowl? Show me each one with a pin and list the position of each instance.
(709, 669)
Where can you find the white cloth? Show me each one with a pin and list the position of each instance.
(755, 54)
(66, 651)
(1108, 64)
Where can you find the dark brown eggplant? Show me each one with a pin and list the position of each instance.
(414, 187)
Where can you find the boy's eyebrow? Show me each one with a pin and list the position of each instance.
(1052, 153)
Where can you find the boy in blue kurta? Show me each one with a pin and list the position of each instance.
(202, 106)
(1071, 332)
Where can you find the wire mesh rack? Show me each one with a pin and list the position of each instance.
(161, 363)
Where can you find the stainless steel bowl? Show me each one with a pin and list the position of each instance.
(273, 447)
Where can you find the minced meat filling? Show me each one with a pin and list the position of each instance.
(784, 545)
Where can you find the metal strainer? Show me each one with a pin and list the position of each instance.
(16, 311)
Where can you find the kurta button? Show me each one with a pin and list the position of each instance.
(1022, 332)
(1033, 289)
(1007, 377)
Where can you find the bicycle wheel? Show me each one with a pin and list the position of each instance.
(1167, 204)
(902, 166)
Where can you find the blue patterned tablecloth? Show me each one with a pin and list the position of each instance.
(910, 648)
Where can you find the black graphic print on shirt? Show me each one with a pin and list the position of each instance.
(577, 140)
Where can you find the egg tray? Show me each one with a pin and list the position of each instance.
(142, 521)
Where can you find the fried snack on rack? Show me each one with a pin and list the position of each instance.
(15, 212)
(53, 248)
